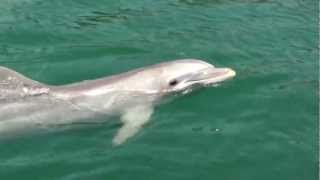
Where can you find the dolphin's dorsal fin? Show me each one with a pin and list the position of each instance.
(13, 84)
(133, 120)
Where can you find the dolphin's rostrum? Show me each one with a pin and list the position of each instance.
(25, 104)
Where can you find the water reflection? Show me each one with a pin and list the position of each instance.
(99, 17)
(208, 2)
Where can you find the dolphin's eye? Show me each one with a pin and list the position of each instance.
(173, 82)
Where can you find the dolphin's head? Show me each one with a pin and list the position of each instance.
(151, 82)
(179, 76)
(184, 75)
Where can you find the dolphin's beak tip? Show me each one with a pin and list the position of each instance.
(231, 72)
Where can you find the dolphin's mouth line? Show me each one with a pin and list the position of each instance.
(212, 76)
(207, 77)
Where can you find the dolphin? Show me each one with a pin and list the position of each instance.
(28, 104)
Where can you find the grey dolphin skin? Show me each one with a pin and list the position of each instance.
(26, 104)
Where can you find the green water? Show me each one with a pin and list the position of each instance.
(260, 126)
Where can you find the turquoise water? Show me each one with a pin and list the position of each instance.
(261, 125)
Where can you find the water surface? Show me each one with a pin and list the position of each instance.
(261, 125)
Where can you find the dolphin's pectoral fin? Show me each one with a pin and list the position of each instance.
(133, 120)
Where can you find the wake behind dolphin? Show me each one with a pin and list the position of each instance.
(26, 104)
